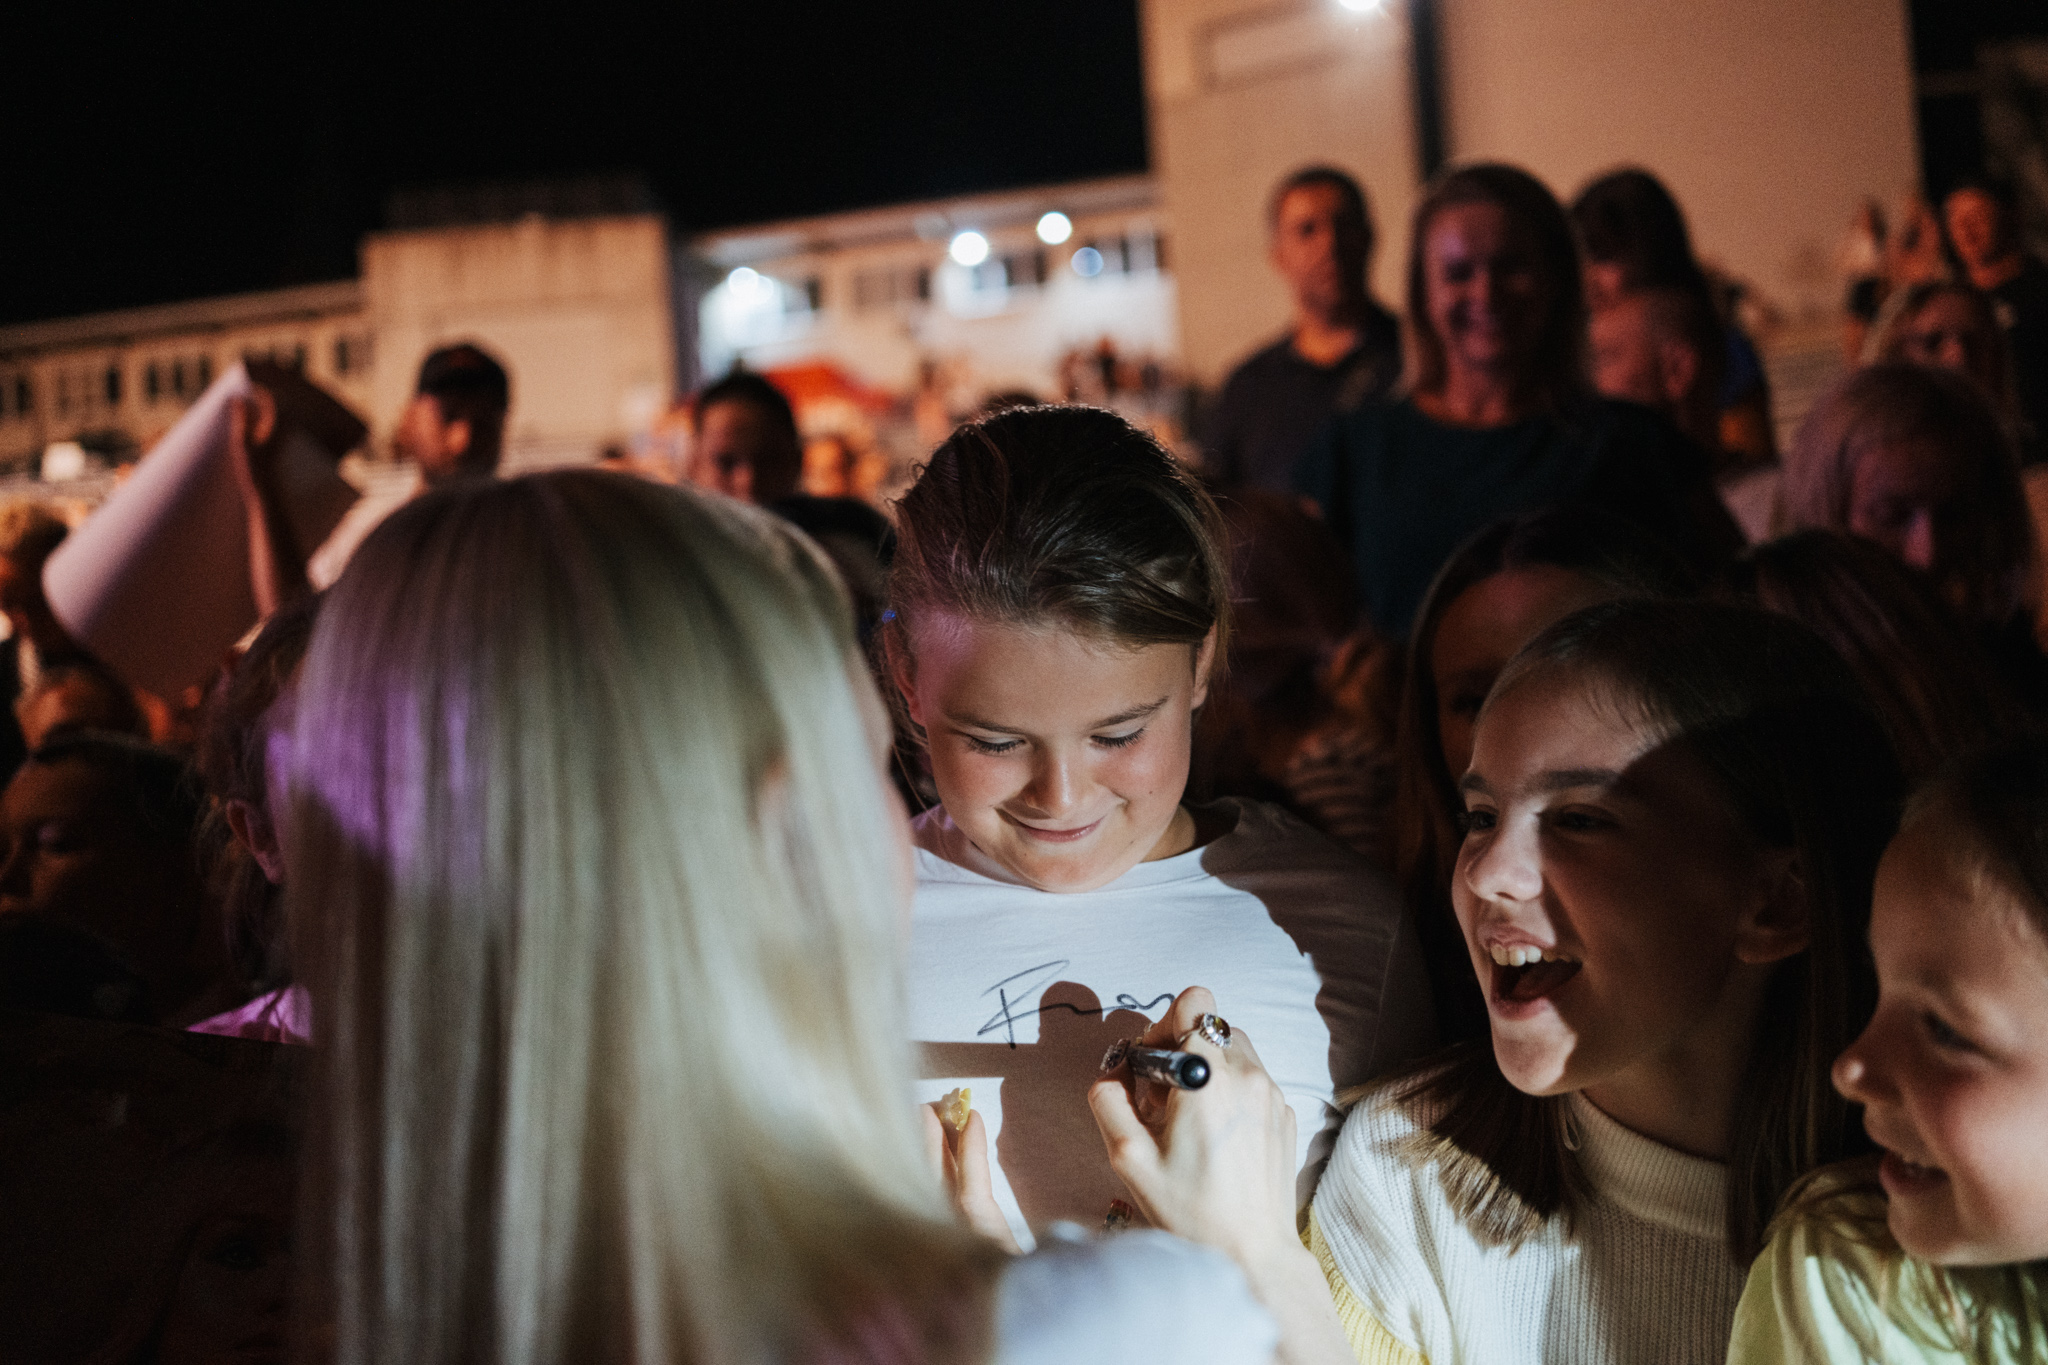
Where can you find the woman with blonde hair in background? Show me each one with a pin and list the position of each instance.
(599, 891)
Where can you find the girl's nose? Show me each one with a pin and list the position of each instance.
(1508, 866)
(1054, 784)
(1856, 1073)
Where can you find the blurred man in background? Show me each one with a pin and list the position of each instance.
(1983, 222)
(1342, 349)
(746, 443)
(454, 428)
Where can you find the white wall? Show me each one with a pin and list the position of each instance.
(1769, 119)
(578, 311)
(1240, 93)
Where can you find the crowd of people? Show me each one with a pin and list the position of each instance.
(1499, 863)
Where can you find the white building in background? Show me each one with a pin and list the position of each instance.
(996, 289)
(1771, 122)
(114, 382)
(578, 309)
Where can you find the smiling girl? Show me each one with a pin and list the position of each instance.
(1059, 601)
(1499, 417)
(1673, 815)
(1940, 1252)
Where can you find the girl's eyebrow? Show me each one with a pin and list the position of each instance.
(1120, 718)
(1556, 780)
(1124, 717)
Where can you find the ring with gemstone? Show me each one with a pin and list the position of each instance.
(1212, 1029)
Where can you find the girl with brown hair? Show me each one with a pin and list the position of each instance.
(1498, 418)
(1673, 814)
(1059, 606)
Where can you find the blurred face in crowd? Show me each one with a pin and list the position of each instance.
(1914, 498)
(232, 1297)
(1950, 332)
(1487, 296)
(1063, 756)
(429, 439)
(1480, 632)
(28, 611)
(1319, 249)
(1614, 908)
(733, 440)
(1952, 1069)
(1976, 225)
(1629, 354)
(76, 852)
(1605, 282)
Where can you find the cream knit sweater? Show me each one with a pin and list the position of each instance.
(1645, 1278)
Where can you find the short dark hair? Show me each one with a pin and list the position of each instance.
(1312, 177)
(782, 467)
(469, 386)
(465, 370)
(1996, 188)
(744, 386)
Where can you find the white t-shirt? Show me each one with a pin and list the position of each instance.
(1017, 992)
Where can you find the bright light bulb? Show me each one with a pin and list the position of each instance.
(1054, 228)
(744, 280)
(1087, 262)
(968, 248)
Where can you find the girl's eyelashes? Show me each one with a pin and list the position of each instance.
(1005, 746)
(1942, 1036)
(1578, 821)
(1475, 821)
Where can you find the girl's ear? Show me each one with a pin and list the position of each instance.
(1777, 923)
(253, 830)
(902, 670)
(1205, 660)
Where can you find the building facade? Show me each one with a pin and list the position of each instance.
(578, 310)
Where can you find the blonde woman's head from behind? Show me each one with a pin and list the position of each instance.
(595, 885)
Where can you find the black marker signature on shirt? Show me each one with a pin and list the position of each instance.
(1009, 989)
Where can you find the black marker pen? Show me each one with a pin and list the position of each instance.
(1182, 1070)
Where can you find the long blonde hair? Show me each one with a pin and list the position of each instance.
(592, 888)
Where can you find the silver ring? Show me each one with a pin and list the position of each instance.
(1212, 1029)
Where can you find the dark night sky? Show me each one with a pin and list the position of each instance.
(157, 152)
(171, 151)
